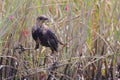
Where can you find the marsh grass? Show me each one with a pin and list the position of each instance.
(90, 28)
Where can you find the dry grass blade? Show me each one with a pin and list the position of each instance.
(89, 30)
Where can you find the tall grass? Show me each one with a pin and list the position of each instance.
(90, 28)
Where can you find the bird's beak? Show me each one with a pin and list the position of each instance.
(46, 18)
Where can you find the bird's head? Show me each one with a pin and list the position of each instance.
(41, 20)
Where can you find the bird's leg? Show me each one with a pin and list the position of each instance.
(37, 44)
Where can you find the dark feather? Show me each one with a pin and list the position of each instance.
(51, 40)
(45, 37)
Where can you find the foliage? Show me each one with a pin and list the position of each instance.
(90, 28)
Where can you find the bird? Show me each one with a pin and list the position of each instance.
(44, 36)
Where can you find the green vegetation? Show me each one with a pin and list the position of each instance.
(90, 28)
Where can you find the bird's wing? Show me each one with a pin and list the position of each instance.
(36, 32)
(52, 39)
(34, 36)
